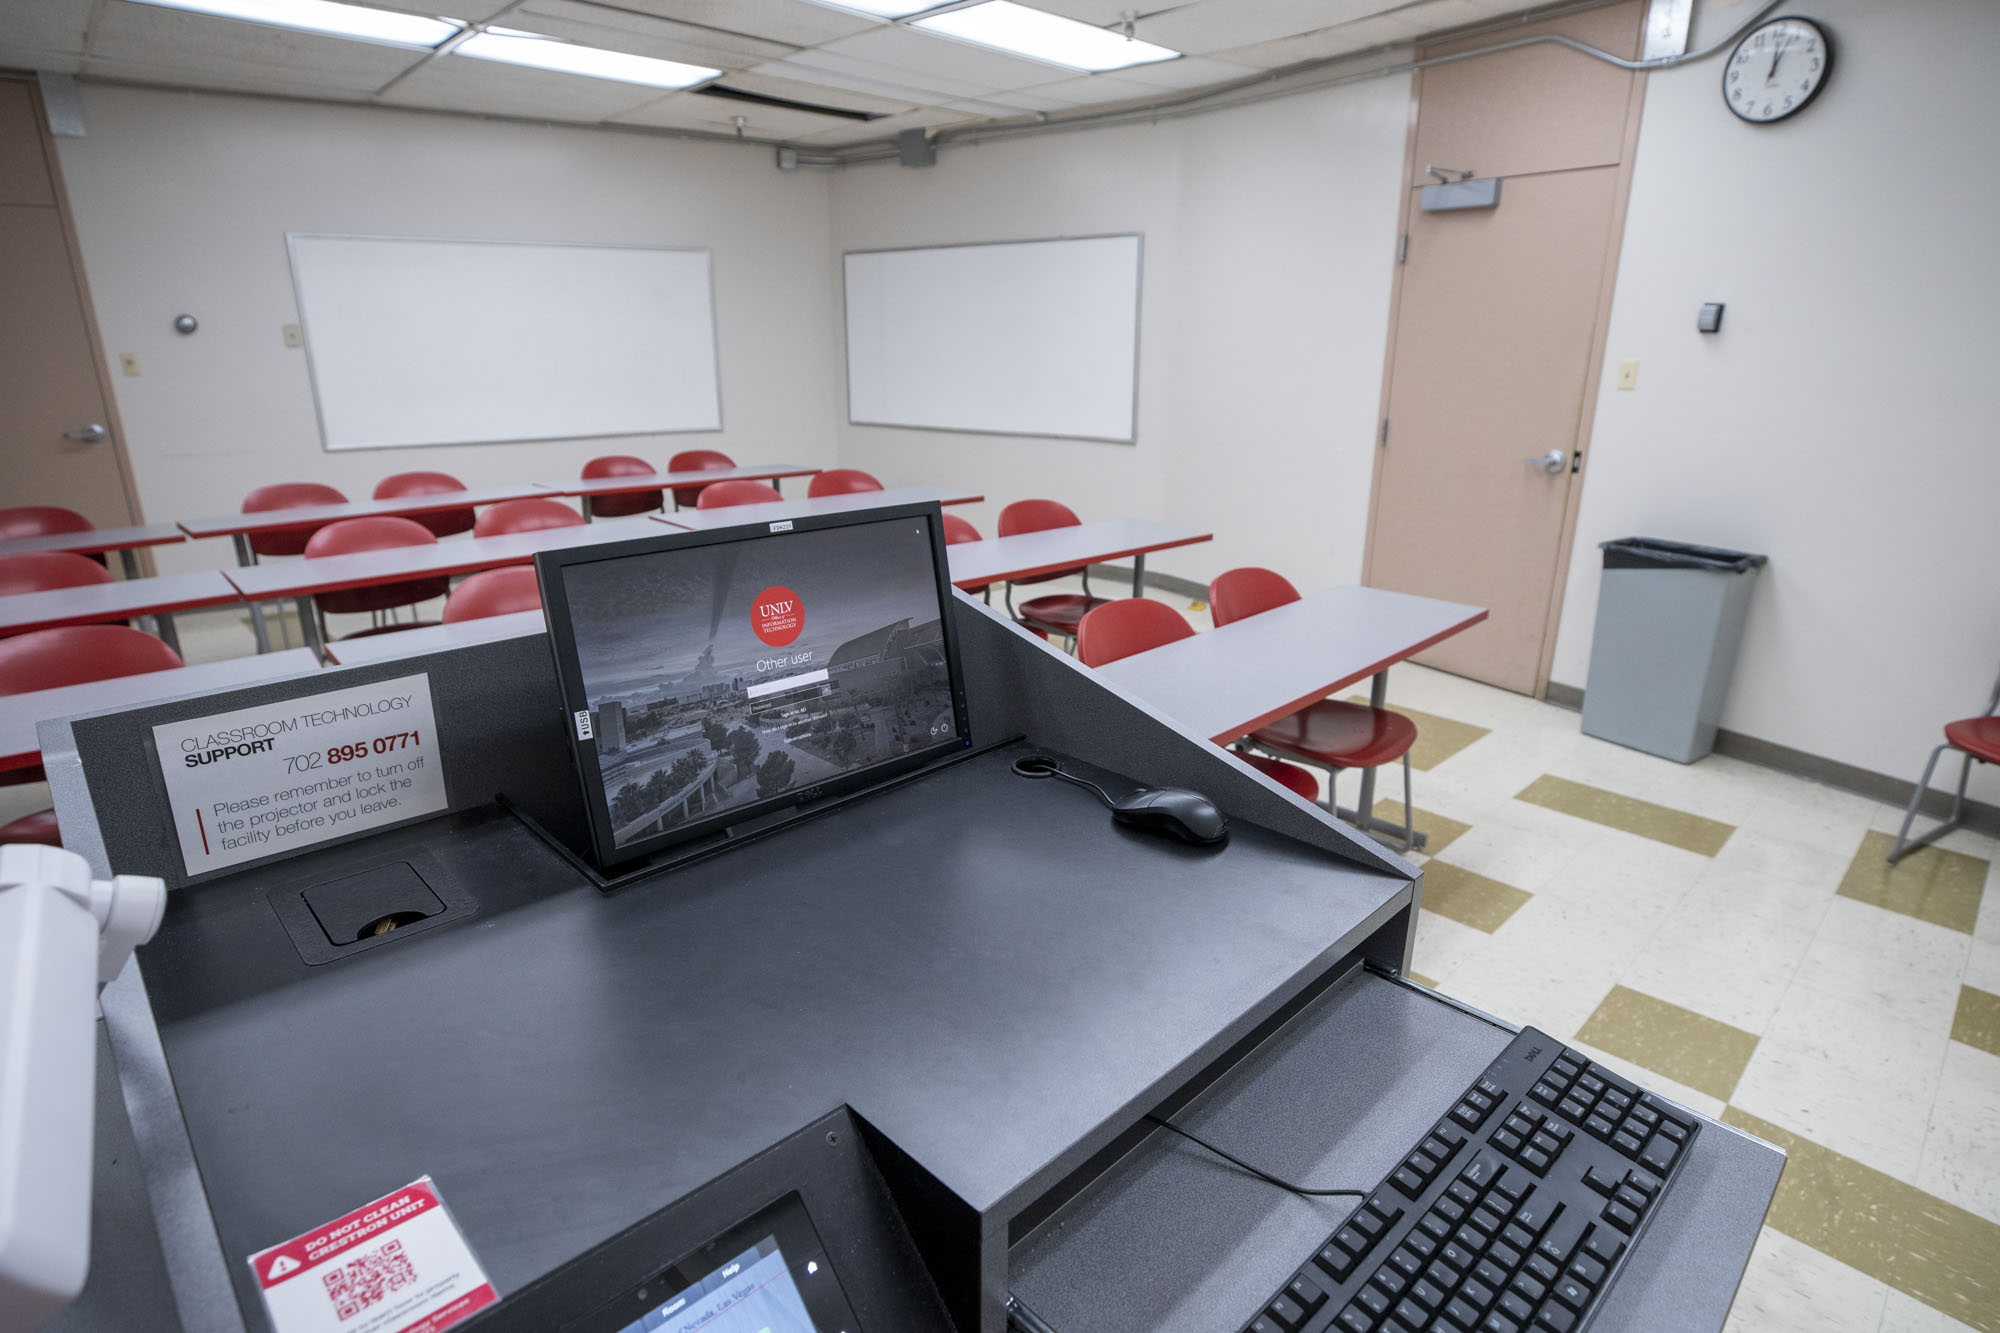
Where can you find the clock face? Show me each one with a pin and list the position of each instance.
(1776, 70)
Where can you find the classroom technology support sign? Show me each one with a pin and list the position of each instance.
(279, 777)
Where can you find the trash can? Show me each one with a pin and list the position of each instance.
(1669, 622)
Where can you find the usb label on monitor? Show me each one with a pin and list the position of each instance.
(583, 732)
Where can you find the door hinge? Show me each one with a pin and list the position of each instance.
(1382, 435)
(1575, 461)
(1403, 248)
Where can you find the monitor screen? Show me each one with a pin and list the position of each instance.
(755, 1292)
(711, 676)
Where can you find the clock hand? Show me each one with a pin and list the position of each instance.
(1777, 54)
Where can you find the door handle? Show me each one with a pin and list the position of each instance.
(1551, 462)
(90, 434)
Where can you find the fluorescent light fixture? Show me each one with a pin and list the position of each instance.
(513, 47)
(357, 21)
(882, 9)
(1042, 36)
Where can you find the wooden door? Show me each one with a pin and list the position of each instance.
(51, 382)
(1497, 339)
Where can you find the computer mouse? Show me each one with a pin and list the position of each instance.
(1187, 815)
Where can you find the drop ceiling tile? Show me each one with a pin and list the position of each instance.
(244, 80)
(794, 22)
(1187, 72)
(1400, 26)
(46, 27)
(145, 42)
(1219, 25)
(889, 127)
(485, 87)
(693, 111)
(468, 11)
(1107, 13)
(642, 35)
(1097, 90)
(972, 69)
(818, 65)
(795, 90)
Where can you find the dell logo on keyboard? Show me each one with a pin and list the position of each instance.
(1534, 1052)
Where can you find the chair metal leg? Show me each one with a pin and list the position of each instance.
(1905, 844)
(1409, 810)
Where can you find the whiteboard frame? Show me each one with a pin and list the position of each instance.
(312, 375)
(1138, 328)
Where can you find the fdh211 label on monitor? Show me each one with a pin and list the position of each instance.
(777, 617)
(283, 776)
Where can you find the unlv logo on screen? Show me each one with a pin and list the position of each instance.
(777, 617)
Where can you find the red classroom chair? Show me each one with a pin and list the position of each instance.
(617, 506)
(1327, 733)
(287, 495)
(696, 460)
(1134, 624)
(1059, 613)
(443, 522)
(525, 516)
(841, 481)
(958, 530)
(1978, 739)
(725, 494)
(381, 533)
(39, 571)
(494, 592)
(41, 521)
(69, 655)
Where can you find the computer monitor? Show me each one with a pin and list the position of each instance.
(710, 678)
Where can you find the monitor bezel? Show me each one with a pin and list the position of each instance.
(549, 570)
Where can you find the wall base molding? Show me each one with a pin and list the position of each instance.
(1980, 817)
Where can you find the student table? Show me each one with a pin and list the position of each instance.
(975, 564)
(1238, 677)
(435, 638)
(98, 540)
(19, 713)
(666, 481)
(305, 579)
(240, 527)
(772, 510)
(125, 599)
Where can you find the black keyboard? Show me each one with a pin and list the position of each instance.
(1513, 1214)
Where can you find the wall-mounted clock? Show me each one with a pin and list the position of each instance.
(1777, 70)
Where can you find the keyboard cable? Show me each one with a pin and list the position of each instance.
(1260, 1174)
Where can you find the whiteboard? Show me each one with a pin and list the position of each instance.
(417, 342)
(1020, 338)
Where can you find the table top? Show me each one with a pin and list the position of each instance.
(123, 599)
(228, 525)
(305, 578)
(1056, 549)
(434, 638)
(20, 712)
(658, 481)
(1238, 677)
(700, 520)
(97, 539)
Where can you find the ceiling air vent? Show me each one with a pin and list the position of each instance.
(738, 95)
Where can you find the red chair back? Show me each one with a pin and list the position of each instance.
(1132, 625)
(841, 481)
(723, 494)
(957, 530)
(1236, 593)
(443, 522)
(75, 654)
(287, 495)
(39, 571)
(40, 521)
(525, 516)
(494, 592)
(1038, 516)
(696, 460)
(617, 506)
(381, 533)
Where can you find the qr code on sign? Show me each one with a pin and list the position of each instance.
(360, 1283)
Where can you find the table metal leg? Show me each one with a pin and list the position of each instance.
(309, 627)
(128, 560)
(258, 631)
(1139, 574)
(589, 514)
(1363, 817)
(163, 626)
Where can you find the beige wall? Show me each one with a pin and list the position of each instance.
(1843, 420)
(182, 203)
(1270, 237)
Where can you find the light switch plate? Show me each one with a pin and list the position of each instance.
(293, 337)
(1628, 374)
(129, 364)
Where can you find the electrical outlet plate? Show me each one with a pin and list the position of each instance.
(293, 337)
(129, 364)
(1628, 374)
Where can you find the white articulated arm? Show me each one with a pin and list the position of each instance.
(62, 935)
